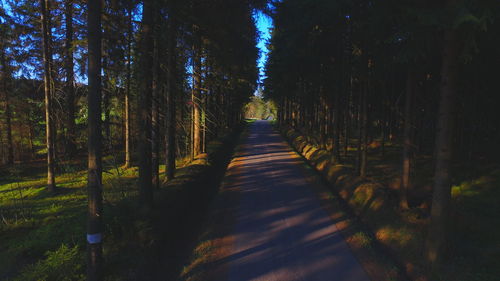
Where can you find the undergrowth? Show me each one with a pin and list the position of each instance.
(43, 234)
(473, 244)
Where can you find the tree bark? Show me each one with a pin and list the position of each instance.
(196, 98)
(436, 239)
(155, 110)
(407, 139)
(144, 114)
(359, 119)
(47, 81)
(70, 77)
(364, 132)
(106, 96)
(8, 113)
(171, 96)
(336, 129)
(94, 182)
(128, 144)
(347, 116)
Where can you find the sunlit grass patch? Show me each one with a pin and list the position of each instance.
(395, 235)
(362, 239)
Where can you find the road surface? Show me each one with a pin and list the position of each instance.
(281, 232)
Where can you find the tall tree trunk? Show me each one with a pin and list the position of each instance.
(8, 113)
(336, 129)
(385, 110)
(347, 116)
(171, 96)
(438, 230)
(144, 114)
(128, 144)
(364, 132)
(53, 115)
(359, 119)
(94, 182)
(106, 96)
(70, 77)
(407, 139)
(196, 98)
(31, 136)
(47, 80)
(204, 124)
(155, 110)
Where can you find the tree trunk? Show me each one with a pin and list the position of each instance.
(144, 114)
(347, 117)
(8, 113)
(128, 144)
(336, 129)
(47, 81)
(364, 133)
(407, 139)
(31, 136)
(437, 234)
(155, 110)
(171, 96)
(94, 182)
(204, 124)
(70, 77)
(359, 120)
(196, 99)
(106, 96)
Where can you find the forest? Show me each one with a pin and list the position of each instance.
(402, 94)
(119, 122)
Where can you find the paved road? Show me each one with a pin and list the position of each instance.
(281, 231)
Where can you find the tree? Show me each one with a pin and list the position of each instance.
(48, 89)
(8, 113)
(437, 233)
(171, 94)
(156, 98)
(144, 114)
(196, 95)
(128, 143)
(70, 79)
(94, 177)
(407, 138)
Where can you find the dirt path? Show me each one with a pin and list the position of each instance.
(281, 231)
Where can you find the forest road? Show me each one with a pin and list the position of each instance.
(281, 232)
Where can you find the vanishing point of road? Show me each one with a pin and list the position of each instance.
(281, 232)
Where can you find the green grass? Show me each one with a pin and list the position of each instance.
(36, 224)
(43, 235)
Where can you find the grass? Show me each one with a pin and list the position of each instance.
(37, 225)
(474, 243)
(43, 234)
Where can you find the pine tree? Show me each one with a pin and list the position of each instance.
(48, 89)
(94, 182)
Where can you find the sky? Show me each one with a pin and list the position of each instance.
(264, 23)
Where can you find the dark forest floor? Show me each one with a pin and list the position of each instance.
(474, 243)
